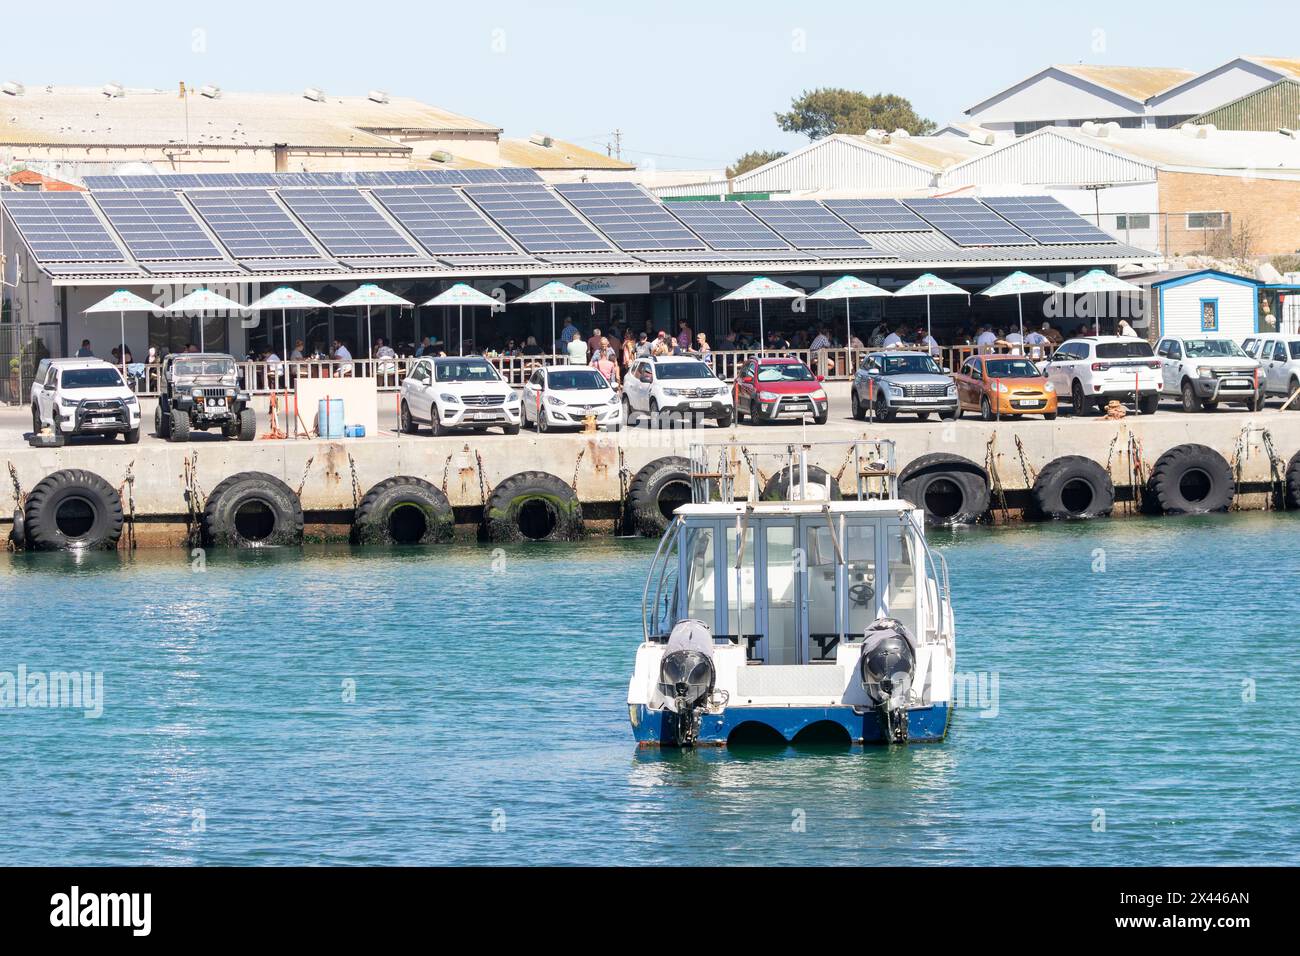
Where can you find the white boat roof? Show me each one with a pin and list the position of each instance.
(874, 506)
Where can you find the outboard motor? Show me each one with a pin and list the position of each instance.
(886, 669)
(687, 675)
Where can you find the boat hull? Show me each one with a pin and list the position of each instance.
(657, 728)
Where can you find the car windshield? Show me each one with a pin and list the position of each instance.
(896, 364)
(578, 379)
(187, 368)
(1121, 350)
(464, 370)
(91, 378)
(1213, 348)
(1011, 368)
(785, 372)
(683, 370)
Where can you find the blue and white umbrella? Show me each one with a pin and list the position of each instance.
(369, 294)
(846, 288)
(1017, 284)
(1097, 282)
(460, 295)
(761, 288)
(553, 292)
(122, 302)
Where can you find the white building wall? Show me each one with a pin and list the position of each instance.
(1181, 308)
(1052, 95)
(834, 164)
(1212, 89)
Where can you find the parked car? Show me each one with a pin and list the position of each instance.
(1279, 364)
(1003, 385)
(1094, 369)
(200, 391)
(457, 394)
(85, 396)
(767, 389)
(1205, 370)
(895, 381)
(566, 395)
(675, 384)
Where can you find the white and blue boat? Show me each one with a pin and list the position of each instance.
(802, 615)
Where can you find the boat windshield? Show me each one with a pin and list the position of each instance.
(900, 596)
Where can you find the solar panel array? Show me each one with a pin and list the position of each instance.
(251, 224)
(1046, 219)
(345, 222)
(727, 225)
(806, 224)
(155, 224)
(536, 219)
(630, 216)
(399, 177)
(877, 215)
(61, 227)
(968, 222)
(443, 221)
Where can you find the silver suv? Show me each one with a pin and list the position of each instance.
(889, 382)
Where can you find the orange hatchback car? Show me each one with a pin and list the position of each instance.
(1003, 385)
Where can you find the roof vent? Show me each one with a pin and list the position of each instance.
(114, 90)
(13, 88)
(541, 139)
(1293, 134)
(377, 96)
(1197, 132)
(982, 137)
(315, 94)
(900, 134)
(876, 136)
(210, 91)
(440, 156)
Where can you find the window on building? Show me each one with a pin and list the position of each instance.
(1205, 220)
(1024, 129)
(1129, 221)
(1169, 122)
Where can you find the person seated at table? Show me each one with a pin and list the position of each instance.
(343, 357)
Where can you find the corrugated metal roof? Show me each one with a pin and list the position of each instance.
(559, 155)
(1269, 109)
(1285, 65)
(83, 116)
(1135, 82)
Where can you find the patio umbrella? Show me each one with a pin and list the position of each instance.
(928, 285)
(284, 299)
(1017, 284)
(122, 302)
(553, 292)
(369, 294)
(204, 300)
(761, 288)
(461, 295)
(1095, 282)
(846, 288)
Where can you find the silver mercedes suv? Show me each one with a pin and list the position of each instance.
(889, 382)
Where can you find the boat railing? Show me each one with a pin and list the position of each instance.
(938, 567)
(661, 563)
(716, 467)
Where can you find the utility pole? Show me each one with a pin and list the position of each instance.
(615, 148)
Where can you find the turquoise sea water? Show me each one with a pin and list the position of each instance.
(489, 722)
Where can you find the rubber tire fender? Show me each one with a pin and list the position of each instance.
(371, 524)
(40, 514)
(501, 517)
(1293, 482)
(915, 480)
(1049, 488)
(231, 494)
(778, 486)
(18, 530)
(642, 514)
(1173, 466)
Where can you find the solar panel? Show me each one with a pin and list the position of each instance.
(345, 222)
(251, 224)
(154, 224)
(1046, 219)
(103, 182)
(60, 227)
(806, 224)
(967, 222)
(535, 218)
(627, 214)
(877, 215)
(726, 225)
(443, 221)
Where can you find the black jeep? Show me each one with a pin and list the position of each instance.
(201, 391)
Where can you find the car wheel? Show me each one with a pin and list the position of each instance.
(180, 425)
(656, 418)
(435, 420)
(407, 426)
(859, 412)
(629, 416)
(1291, 390)
(1191, 403)
(885, 414)
(36, 420)
(724, 421)
(1149, 404)
(510, 429)
(1049, 416)
(542, 425)
(986, 409)
(822, 418)
(131, 436)
(1080, 404)
(922, 416)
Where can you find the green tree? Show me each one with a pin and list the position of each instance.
(818, 113)
(752, 160)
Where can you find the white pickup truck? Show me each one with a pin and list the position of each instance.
(1205, 370)
(1279, 364)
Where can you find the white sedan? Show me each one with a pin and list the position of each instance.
(566, 395)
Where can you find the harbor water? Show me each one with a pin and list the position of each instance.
(1129, 696)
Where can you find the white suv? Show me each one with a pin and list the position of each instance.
(1206, 370)
(451, 394)
(1096, 368)
(85, 396)
(1279, 363)
(676, 384)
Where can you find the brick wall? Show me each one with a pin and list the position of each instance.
(1269, 208)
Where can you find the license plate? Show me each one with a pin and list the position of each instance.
(102, 419)
(1028, 404)
(1237, 382)
(700, 404)
(483, 416)
(928, 399)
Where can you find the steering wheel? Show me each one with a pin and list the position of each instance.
(861, 595)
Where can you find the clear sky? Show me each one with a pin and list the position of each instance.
(690, 84)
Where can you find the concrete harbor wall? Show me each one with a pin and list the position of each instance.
(162, 484)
